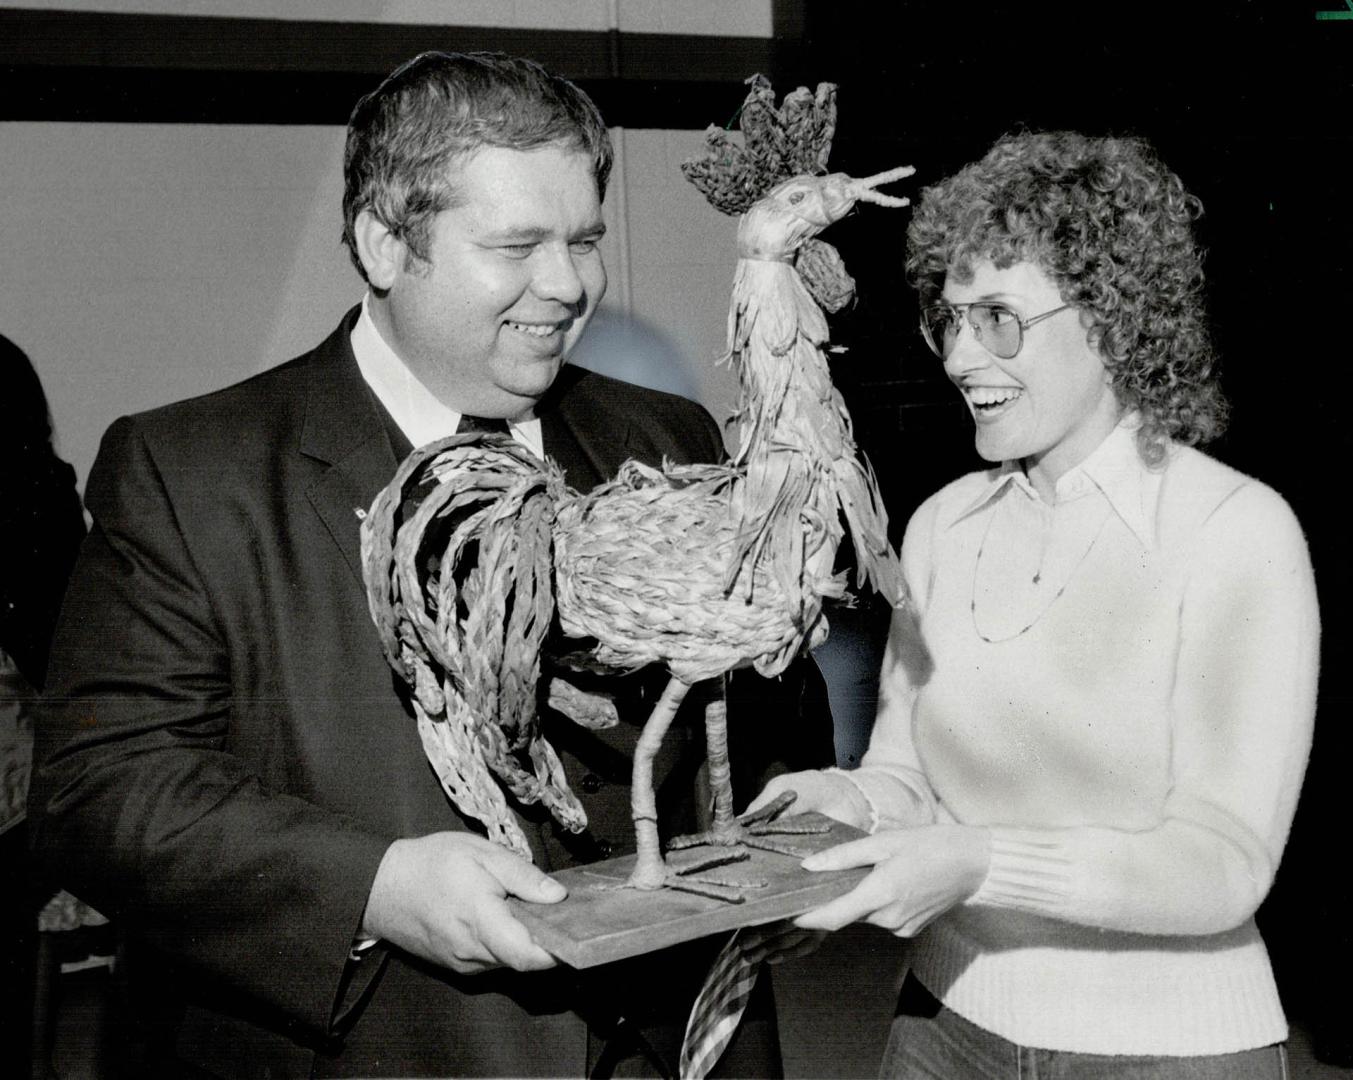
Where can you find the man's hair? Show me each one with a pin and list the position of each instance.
(1113, 228)
(406, 136)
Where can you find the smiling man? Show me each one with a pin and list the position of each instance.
(510, 275)
(229, 771)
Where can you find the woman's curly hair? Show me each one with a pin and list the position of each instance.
(1112, 226)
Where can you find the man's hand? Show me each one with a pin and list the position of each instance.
(826, 792)
(918, 875)
(443, 897)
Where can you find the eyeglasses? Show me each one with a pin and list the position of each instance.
(999, 329)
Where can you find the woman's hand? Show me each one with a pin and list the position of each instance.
(918, 874)
(826, 792)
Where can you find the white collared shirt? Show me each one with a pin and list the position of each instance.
(414, 408)
(1113, 469)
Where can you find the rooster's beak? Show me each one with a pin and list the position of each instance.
(863, 190)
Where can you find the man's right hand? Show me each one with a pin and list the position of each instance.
(443, 897)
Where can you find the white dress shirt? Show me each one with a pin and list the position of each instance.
(415, 409)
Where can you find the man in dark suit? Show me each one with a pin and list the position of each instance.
(228, 770)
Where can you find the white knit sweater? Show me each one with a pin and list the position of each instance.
(1134, 733)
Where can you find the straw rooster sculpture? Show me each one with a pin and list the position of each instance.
(700, 568)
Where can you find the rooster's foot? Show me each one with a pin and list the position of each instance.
(755, 829)
(687, 876)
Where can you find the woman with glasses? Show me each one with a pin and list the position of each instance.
(1096, 712)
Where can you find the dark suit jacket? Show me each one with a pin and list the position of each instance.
(227, 759)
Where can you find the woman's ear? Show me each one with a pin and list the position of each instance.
(383, 254)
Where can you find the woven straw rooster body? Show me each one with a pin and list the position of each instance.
(702, 568)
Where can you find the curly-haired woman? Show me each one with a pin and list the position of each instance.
(1096, 714)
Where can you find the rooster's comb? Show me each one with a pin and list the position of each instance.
(776, 144)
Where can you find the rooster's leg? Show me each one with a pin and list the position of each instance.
(725, 825)
(650, 869)
(650, 872)
(726, 830)
(749, 830)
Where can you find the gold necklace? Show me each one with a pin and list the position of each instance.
(1037, 578)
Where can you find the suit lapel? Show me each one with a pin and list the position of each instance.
(344, 430)
(572, 451)
(588, 455)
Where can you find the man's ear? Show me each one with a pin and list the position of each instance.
(383, 254)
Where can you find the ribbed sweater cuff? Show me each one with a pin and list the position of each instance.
(1028, 871)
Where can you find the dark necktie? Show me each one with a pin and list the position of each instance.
(470, 423)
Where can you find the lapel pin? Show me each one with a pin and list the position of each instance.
(361, 514)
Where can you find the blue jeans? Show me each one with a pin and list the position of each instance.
(931, 1042)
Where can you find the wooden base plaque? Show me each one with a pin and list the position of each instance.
(599, 922)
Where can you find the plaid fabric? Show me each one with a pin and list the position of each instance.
(717, 1010)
